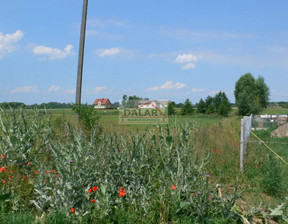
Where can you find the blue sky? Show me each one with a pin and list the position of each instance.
(168, 50)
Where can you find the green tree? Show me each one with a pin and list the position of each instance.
(251, 95)
(187, 109)
(201, 106)
(223, 107)
(209, 101)
(262, 91)
(171, 108)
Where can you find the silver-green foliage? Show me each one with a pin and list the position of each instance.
(146, 165)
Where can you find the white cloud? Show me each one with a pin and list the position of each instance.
(214, 92)
(7, 42)
(109, 52)
(188, 66)
(53, 53)
(187, 58)
(99, 89)
(25, 89)
(168, 85)
(54, 88)
(70, 91)
(198, 90)
(114, 51)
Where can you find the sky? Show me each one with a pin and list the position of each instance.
(165, 50)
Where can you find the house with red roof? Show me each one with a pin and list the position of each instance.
(102, 104)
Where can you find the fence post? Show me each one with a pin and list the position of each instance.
(242, 146)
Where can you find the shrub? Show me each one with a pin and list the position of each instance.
(272, 182)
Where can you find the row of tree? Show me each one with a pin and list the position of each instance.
(251, 95)
(51, 105)
(219, 104)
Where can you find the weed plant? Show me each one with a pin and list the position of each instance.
(157, 176)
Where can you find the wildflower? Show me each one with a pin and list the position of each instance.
(213, 149)
(95, 188)
(44, 160)
(36, 172)
(2, 169)
(71, 161)
(174, 187)
(122, 192)
(93, 201)
(58, 175)
(2, 156)
(209, 181)
(223, 161)
(3, 181)
(90, 190)
(28, 164)
(73, 210)
(199, 192)
(207, 175)
(10, 177)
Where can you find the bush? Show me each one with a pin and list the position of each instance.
(272, 182)
(88, 116)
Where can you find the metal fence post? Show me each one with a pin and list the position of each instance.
(242, 146)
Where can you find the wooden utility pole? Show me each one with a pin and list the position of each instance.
(81, 53)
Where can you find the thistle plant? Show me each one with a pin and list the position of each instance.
(153, 176)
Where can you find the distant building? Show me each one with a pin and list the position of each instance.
(102, 104)
(152, 104)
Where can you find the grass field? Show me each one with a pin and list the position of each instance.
(54, 165)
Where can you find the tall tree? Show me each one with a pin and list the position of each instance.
(223, 106)
(251, 95)
(201, 107)
(187, 109)
(171, 108)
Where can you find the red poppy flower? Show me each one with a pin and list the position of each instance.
(95, 188)
(2, 156)
(36, 172)
(122, 192)
(28, 164)
(90, 190)
(223, 161)
(3, 181)
(10, 177)
(72, 210)
(93, 201)
(2, 169)
(174, 187)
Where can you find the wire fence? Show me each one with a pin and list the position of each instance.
(258, 122)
